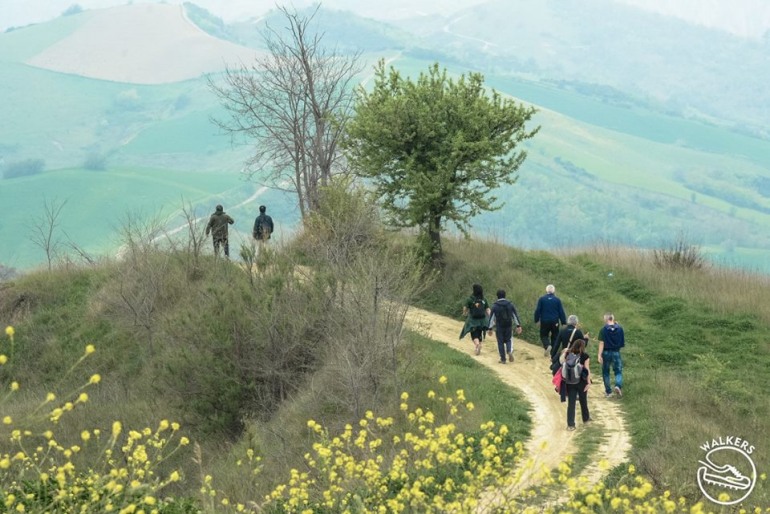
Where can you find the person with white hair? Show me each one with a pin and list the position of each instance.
(549, 313)
(567, 335)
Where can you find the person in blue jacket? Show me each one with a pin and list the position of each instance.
(549, 313)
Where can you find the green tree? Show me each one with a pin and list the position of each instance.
(435, 149)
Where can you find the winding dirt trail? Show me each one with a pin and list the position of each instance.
(550, 441)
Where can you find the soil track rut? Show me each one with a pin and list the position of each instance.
(550, 441)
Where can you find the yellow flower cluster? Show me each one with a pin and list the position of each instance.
(42, 474)
(432, 467)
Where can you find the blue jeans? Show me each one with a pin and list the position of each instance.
(612, 357)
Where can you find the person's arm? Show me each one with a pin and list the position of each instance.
(230, 220)
(270, 224)
(537, 310)
(587, 367)
(208, 226)
(562, 315)
(601, 349)
(515, 318)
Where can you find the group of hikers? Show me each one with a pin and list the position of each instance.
(562, 339)
(219, 221)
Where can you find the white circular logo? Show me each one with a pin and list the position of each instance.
(726, 469)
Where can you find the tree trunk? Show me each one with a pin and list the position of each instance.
(434, 236)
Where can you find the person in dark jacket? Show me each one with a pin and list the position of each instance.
(611, 340)
(549, 312)
(263, 225)
(476, 308)
(217, 227)
(503, 318)
(567, 334)
(579, 391)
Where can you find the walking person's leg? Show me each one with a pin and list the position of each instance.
(500, 346)
(554, 334)
(216, 247)
(544, 334)
(583, 397)
(572, 392)
(606, 357)
(226, 244)
(476, 336)
(617, 368)
(507, 338)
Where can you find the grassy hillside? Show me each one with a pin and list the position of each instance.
(695, 343)
(245, 360)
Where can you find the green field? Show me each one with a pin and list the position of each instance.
(597, 171)
(98, 203)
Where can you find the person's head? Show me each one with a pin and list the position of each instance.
(500, 293)
(609, 318)
(220, 208)
(262, 209)
(578, 346)
(550, 289)
(572, 320)
(478, 292)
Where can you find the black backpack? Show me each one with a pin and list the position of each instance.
(478, 309)
(571, 370)
(504, 315)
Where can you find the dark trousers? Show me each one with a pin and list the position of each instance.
(224, 243)
(504, 341)
(574, 392)
(549, 331)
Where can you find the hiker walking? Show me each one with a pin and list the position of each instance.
(576, 379)
(217, 226)
(611, 340)
(476, 308)
(263, 225)
(549, 312)
(502, 319)
(567, 334)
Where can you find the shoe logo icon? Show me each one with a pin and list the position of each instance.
(726, 475)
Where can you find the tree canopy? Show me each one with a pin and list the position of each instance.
(435, 149)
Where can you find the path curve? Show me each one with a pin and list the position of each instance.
(550, 441)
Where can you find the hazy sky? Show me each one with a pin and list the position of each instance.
(748, 18)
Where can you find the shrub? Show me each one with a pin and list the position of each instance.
(679, 254)
(23, 168)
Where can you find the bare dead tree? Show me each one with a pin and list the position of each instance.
(43, 230)
(292, 106)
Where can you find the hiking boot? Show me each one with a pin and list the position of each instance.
(501, 361)
(608, 395)
(510, 356)
(547, 351)
(571, 428)
(588, 422)
(478, 350)
(618, 392)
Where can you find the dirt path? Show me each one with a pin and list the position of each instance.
(550, 441)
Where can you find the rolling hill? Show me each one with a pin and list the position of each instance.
(608, 165)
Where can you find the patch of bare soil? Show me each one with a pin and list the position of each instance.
(141, 44)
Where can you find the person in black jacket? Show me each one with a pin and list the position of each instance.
(263, 225)
(503, 318)
(567, 334)
(549, 312)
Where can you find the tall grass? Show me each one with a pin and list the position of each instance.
(696, 342)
